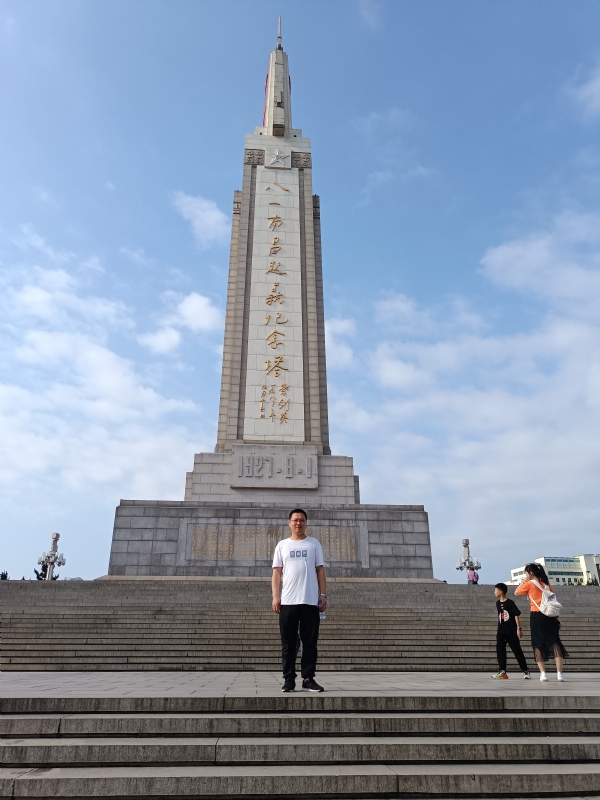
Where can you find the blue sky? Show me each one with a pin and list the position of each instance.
(456, 152)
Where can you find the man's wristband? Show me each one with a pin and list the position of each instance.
(518, 627)
(322, 595)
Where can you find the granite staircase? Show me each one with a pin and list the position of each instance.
(301, 746)
(227, 624)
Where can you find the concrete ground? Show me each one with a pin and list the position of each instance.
(268, 684)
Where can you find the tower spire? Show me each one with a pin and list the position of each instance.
(278, 110)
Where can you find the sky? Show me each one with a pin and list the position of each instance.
(456, 152)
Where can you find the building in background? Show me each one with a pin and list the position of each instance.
(567, 570)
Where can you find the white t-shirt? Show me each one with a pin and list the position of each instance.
(299, 559)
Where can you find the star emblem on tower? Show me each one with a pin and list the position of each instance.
(278, 158)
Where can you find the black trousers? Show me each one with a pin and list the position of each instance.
(305, 618)
(513, 641)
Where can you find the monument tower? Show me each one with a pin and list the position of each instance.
(272, 450)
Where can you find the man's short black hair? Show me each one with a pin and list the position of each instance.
(502, 586)
(298, 511)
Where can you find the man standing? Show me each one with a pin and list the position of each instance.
(299, 593)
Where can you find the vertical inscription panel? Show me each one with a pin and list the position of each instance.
(274, 467)
(274, 399)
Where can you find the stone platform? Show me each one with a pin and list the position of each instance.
(193, 538)
(232, 735)
(111, 692)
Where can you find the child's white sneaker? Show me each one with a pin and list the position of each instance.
(560, 677)
(543, 676)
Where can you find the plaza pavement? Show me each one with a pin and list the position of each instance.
(268, 684)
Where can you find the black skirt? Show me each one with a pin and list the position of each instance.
(545, 638)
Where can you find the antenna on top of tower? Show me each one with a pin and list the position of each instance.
(279, 46)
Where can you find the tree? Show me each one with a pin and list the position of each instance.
(4, 576)
(41, 575)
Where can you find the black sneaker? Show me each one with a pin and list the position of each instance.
(289, 686)
(310, 685)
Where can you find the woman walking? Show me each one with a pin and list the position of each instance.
(545, 638)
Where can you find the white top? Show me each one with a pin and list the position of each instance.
(299, 559)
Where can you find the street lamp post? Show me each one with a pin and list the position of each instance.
(52, 558)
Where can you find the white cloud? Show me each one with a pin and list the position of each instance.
(494, 432)
(198, 313)
(164, 340)
(53, 296)
(339, 353)
(560, 264)
(586, 94)
(391, 371)
(383, 137)
(31, 240)
(404, 315)
(209, 224)
(374, 180)
(73, 411)
(93, 264)
(137, 256)
(402, 312)
(349, 415)
(101, 385)
(194, 312)
(377, 123)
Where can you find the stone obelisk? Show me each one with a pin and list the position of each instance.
(274, 387)
(272, 449)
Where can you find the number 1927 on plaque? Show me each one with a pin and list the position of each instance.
(275, 471)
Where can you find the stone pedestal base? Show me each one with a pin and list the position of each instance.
(286, 474)
(177, 538)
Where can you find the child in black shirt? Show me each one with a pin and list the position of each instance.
(509, 632)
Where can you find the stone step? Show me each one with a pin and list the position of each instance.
(268, 666)
(342, 661)
(268, 651)
(299, 780)
(163, 751)
(554, 699)
(266, 654)
(257, 648)
(227, 624)
(79, 622)
(206, 613)
(300, 724)
(350, 645)
(198, 619)
(268, 663)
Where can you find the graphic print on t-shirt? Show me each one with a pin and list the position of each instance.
(507, 613)
(298, 553)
